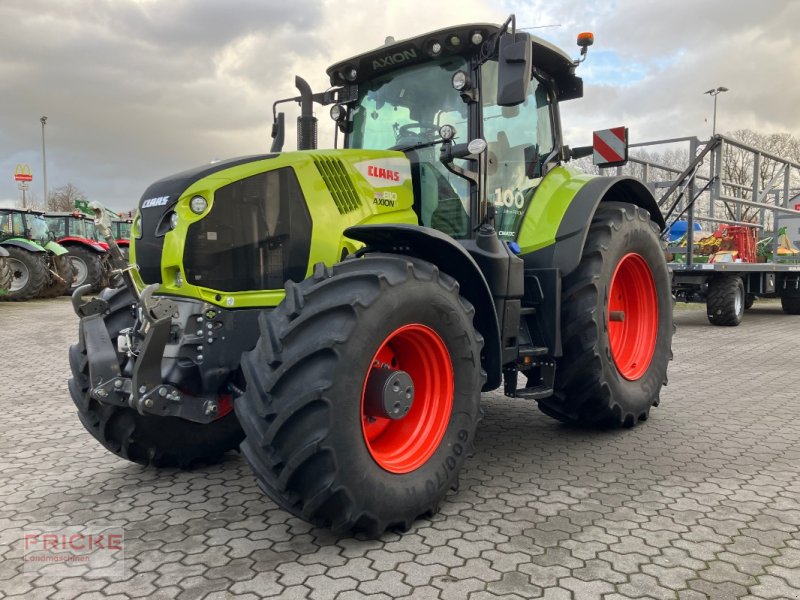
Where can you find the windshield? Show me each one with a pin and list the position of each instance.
(407, 106)
(403, 110)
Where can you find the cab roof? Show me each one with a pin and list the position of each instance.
(401, 53)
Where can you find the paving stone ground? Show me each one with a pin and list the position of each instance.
(701, 501)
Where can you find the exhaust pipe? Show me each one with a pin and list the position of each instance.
(306, 122)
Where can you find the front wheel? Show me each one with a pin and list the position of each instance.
(363, 393)
(616, 323)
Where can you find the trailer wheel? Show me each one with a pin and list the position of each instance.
(749, 300)
(66, 272)
(725, 300)
(790, 304)
(88, 268)
(616, 320)
(29, 274)
(330, 435)
(147, 440)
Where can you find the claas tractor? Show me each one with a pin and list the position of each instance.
(337, 313)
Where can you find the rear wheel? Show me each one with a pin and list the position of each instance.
(57, 286)
(363, 394)
(147, 440)
(616, 326)
(88, 267)
(5, 276)
(29, 274)
(725, 300)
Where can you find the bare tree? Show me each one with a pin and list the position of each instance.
(63, 199)
(739, 173)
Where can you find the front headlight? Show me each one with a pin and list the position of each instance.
(136, 227)
(173, 220)
(198, 205)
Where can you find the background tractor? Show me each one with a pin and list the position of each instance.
(338, 312)
(88, 253)
(38, 265)
(121, 229)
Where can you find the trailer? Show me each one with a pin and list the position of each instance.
(752, 231)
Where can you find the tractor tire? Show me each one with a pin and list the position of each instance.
(749, 300)
(616, 324)
(725, 300)
(315, 441)
(58, 287)
(88, 267)
(6, 276)
(29, 272)
(790, 304)
(146, 440)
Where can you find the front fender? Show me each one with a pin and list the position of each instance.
(447, 254)
(24, 244)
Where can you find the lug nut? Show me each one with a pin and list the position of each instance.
(162, 391)
(142, 389)
(117, 384)
(149, 403)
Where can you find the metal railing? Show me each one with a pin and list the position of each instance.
(698, 190)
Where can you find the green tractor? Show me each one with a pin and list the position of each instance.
(337, 313)
(39, 266)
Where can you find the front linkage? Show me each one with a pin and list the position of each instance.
(160, 366)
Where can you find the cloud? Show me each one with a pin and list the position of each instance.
(135, 90)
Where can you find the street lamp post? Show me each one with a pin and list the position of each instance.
(44, 162)
(714, 92)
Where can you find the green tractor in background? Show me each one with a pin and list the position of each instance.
(38, 265)
(338, 313)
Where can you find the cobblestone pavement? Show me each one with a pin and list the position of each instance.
(701, 501)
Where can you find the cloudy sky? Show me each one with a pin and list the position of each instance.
(137, 89)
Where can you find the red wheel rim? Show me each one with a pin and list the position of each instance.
(403, 445)
(632, 316)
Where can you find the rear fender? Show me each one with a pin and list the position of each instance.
(565, 254)
(77, 241)
(24, 244)
(55, 248)
(447, 254)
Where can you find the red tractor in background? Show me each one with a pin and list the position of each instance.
(89, 256)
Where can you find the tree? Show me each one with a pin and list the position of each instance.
(63, 199)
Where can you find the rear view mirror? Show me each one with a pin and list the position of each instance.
(514, 68)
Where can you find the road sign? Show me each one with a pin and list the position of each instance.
(610, 147)
(23, 173)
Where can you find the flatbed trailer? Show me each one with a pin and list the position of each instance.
(699, 193)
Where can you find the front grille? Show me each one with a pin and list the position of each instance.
(338, 183)
(255, 237)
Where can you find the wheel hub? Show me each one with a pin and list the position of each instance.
(20, 274)
(389, 394)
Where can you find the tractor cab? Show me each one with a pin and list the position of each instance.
(430, 96)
